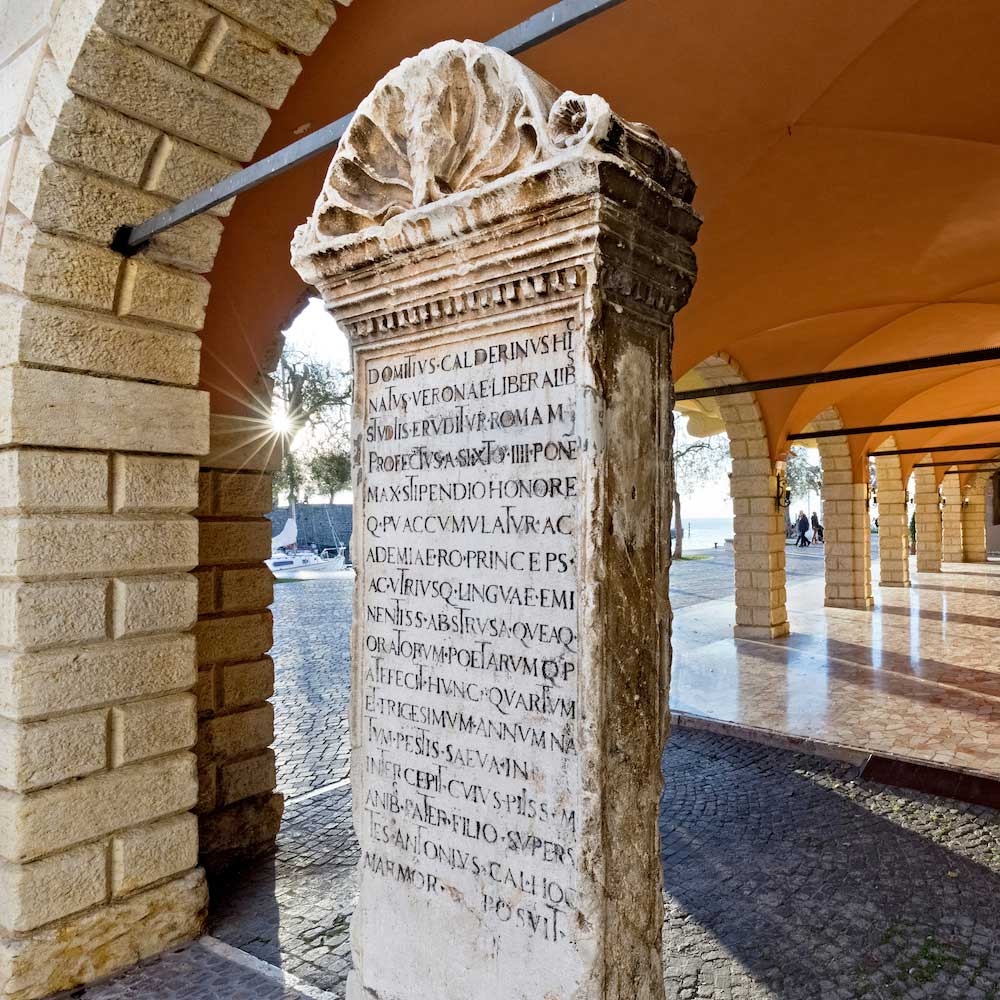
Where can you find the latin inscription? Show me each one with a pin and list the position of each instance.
(470, 629)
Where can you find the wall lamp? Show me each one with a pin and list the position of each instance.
(782, 495)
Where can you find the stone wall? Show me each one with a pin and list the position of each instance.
(238, 812)
(758, 523)
(109, 111)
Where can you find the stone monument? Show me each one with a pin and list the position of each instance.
(506, 260)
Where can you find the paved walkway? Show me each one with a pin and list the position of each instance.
(917, 678)
(787, 878)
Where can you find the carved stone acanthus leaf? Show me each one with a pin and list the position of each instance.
(453, 118)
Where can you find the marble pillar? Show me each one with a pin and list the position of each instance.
(506, 260)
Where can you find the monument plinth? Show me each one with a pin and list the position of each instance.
(506, 260)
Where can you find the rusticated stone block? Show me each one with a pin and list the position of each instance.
(146, 87)
(241, 494)
(57, 269)
(299, 24)
(53, 819)
(37, 754)
(35, 333)
(80, 411)
(34, 685)
(151, 483)
(143, 729)
(246, 589)
(39, 481)
(237, 733)
(76, 203)
(144, 604)
(75, 130)
(37, 893)
(146, 854)
(236, 638)
(50, 545)
(161, 294)
(246, 683)
(232, 542)
(243, 779)
(231, 836)
(100, 941)
(33, 615)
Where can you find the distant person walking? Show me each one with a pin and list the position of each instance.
(802, 526)
(817, 529)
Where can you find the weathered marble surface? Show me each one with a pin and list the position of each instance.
(507, 261)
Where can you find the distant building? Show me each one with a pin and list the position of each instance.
(320, 525)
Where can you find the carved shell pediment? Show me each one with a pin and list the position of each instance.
(454, 118)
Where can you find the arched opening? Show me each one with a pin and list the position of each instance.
(758, 520)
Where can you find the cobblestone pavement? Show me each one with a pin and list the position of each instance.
(786, 877)
(312, 632)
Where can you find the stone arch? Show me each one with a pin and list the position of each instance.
(846, 530)
(974, 517)
(111, 111)
(893, 526)
(758, 524)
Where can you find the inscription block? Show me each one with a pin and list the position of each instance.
(468, 714)
(509, 298)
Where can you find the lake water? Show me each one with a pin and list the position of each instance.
(704, 532)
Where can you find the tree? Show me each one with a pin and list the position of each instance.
(290, 480)
(331, 471)
(696, 462)
(308, 395)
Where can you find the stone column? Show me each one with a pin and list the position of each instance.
(974, 522)
(759, 542)
(893, 529)
(507, 261)
(238, 811)
(847, 534)
(951, 520)
(928, 515)
(846, 525)
(758, 524)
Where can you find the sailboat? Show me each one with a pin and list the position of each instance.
(295, 565)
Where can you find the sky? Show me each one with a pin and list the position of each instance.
(315, 332)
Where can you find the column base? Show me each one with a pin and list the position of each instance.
(98, 942)
(894, 583)
(929, 569)
(854, 604)
(761, 631)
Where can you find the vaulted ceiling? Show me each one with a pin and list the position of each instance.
(848, 162)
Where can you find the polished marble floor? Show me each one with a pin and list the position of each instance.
(916, 678)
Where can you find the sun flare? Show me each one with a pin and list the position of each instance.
(280, 423)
